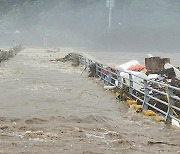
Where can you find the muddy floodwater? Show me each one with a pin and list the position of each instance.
(119, 57)
(47, 107)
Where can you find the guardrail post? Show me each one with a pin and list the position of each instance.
(89, 62)
(119, 79)
(146, 97)
(170, 100)
(80, 59)
(130, 84)
(109, 75)
(85, 60)
(97, 69)
(102, 76)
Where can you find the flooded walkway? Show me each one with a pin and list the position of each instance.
(47, 107)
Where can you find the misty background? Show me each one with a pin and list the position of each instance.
(137, 25)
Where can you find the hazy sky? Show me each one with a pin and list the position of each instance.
(137, 25)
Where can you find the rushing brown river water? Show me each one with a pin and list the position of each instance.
(47, 107)
(120, 57)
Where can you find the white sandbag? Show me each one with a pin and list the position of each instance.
(175, 123)
(150, 56)
(109, 87)
(136, 76)
(153, 76)
(126, 65)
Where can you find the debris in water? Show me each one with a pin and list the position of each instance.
(156, 64)
(73, 57)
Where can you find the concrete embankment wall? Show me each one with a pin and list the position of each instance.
(5, 55)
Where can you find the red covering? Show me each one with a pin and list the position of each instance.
(106, 70)
(136, 67)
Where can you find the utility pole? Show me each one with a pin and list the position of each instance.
(60, 4)
(124, 12)
(110, 4)
(45, 42)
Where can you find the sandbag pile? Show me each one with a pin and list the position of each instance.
(156, 70)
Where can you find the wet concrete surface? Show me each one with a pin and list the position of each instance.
(47, 107)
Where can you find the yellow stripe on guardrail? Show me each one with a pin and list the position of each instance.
(170, 106)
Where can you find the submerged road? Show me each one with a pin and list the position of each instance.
(47, 107)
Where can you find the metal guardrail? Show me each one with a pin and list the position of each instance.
(114, 77)
(4, 55)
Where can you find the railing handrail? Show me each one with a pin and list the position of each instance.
(171, 97)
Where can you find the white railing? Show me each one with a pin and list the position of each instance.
(4, 55)
(148, 92)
